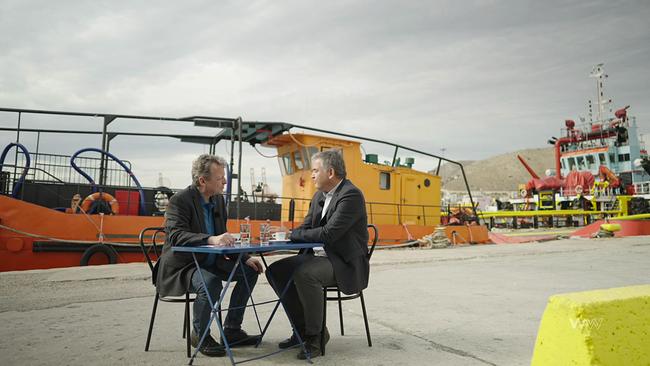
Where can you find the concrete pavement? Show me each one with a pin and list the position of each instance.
(477, 305)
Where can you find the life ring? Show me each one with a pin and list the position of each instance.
(109, 252)
(103, 196)
(579, 189)
(523, 193)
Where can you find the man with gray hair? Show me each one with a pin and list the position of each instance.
(337, 218)
(197, 216)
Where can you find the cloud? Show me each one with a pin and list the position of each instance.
(476, 78)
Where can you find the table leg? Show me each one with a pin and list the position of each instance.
(275, 308)
(215, 309)
(250, 292)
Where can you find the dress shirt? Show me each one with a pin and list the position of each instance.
(320, 251)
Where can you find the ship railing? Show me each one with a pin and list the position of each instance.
(589, 144)
(57, 168)
(378, 212)
(11, 174)
(642, 188)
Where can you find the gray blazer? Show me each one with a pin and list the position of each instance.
(344, 232)
(185, 226)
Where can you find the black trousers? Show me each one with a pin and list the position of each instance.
(304, 298)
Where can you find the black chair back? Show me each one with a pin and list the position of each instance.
(156, 230)
(375, 237)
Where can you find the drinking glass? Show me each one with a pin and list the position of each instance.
(265, 234)
(245, 234)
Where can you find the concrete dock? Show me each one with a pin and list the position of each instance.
(474, 305)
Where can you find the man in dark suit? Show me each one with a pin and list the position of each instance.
(197, 216)
(337, 218)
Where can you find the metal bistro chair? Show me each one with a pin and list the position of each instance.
(340, 298)
(187, 299)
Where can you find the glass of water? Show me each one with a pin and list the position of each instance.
(265, 233)
(245, 234)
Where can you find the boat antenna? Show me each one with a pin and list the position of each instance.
(598, 73)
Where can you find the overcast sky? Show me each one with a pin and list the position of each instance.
(476, 78)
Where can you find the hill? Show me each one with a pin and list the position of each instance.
(498, 173)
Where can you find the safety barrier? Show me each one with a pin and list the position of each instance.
(601, 327)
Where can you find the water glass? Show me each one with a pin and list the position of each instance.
(265, 234)
(245, 234)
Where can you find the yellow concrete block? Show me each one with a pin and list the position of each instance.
(601, 327)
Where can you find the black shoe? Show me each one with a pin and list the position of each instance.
(326, 337)
(289, 342)
(238, 337)
(210, 347)
(313, 345)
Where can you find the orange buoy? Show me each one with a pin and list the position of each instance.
(100, 196)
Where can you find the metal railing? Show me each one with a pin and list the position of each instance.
(56, 169)
(402, 213)
(642, 188)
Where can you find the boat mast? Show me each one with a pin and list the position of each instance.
(599, 74)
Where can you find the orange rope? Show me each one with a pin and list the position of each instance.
(300, 143)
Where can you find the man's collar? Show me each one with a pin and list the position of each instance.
(331, 191)
(204, 202)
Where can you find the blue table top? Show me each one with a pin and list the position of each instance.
(253, 248)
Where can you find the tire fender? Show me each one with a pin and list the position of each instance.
(108, 251)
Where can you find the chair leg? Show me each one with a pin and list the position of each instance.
(185, 317)
(153, 316)
(186, 324)
(341, 313)
(365, 318)
(322, 331)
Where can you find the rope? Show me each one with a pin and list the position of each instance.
(266, 156)
(101, 227)
(392, 246)
(114, 243)
(300, 143)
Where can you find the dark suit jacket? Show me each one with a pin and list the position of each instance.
(344, 232)
(185, 225)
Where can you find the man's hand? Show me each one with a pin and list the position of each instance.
(223, 240)
(255, 264)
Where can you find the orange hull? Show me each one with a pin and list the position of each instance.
(26, 238)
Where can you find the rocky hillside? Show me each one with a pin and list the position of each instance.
(498, 173)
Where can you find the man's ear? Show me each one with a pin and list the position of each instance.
(330, 173)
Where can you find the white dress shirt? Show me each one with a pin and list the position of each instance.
(320, 251)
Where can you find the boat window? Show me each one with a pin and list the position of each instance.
(601, 158)
(612, 158)
(283, 171)
(580, 162)
(384, 180)
(624, 157)
(563, 163)
(286, 165)
(572, 163)
(590, 161)
(300, 164)
(308, 152)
